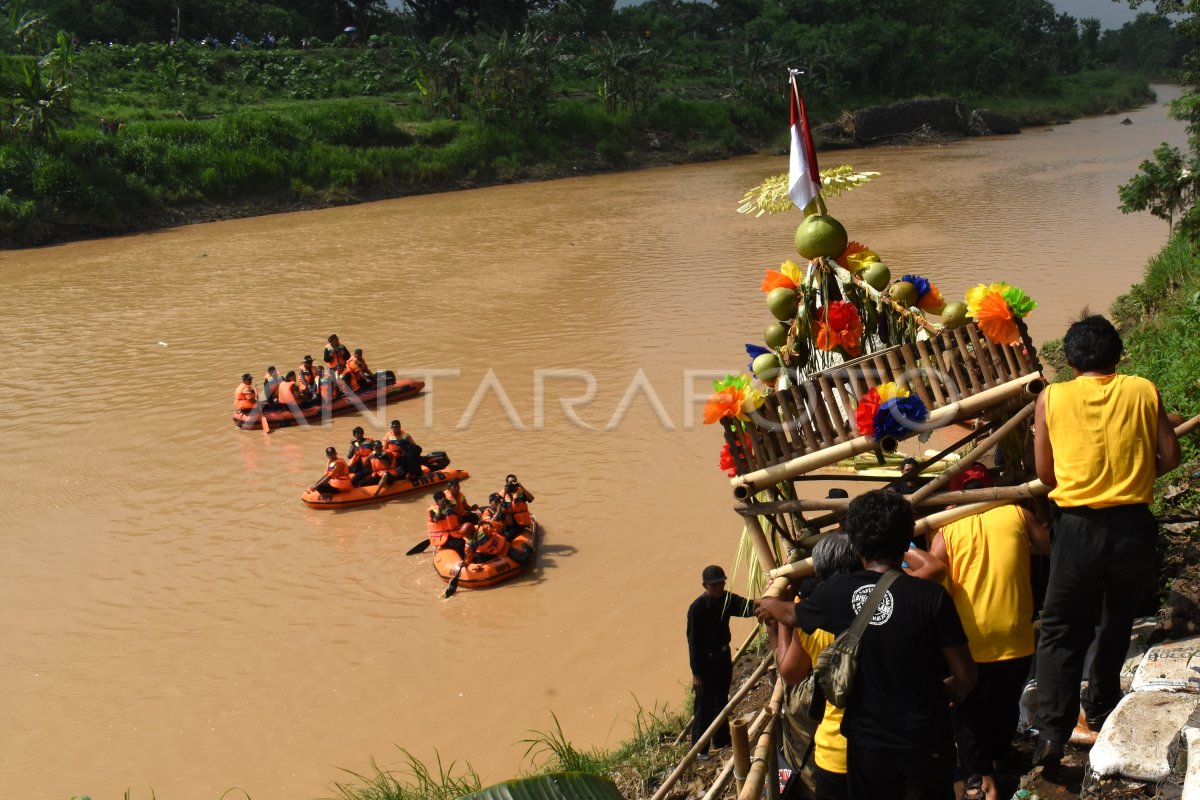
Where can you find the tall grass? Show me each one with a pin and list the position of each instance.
(415, 781)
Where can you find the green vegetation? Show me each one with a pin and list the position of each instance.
(98, 138)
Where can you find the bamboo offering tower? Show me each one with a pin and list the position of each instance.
(855, 363)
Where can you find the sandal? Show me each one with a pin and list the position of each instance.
(973, 788)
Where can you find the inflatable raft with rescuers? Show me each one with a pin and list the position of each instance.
(476, 548)
(377, 470)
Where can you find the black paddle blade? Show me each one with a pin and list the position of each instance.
(419, 547)
(453, 587)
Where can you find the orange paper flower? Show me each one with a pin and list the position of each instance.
(775, 280)
(839, 325)
(725, 403)
(856, 256)
(995, 319)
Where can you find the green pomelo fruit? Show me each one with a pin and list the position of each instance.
(903, 293)
(954, 315)
(766, 367)
(876, 275)
(821, 235)
(783, 303)
(776, 335)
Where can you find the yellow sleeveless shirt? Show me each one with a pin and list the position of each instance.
(990, 583)
(1103, 430)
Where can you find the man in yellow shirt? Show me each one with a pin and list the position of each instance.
(989, 580)
(1100, 440)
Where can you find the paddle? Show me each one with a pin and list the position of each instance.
(262, 415)
(419, 547)
(453, 587)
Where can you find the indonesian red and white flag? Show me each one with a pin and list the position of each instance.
(804, 177)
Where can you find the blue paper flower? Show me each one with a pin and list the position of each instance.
(754, 351)
(897, 417)
(922, 284)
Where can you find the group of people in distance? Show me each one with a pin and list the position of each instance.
(309, 383)
(371, 462)
(948, 651)
(480, 535)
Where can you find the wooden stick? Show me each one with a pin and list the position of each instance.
(752, 482)
(762, 546)
(752, 790)
(974, 383)
(982, 447)
(931, 366)
(803, 420)
(829, 401)
(691, 754)
(726, 772)
(1187, 427)
(958, 370)
(981, 355)
(741, 752)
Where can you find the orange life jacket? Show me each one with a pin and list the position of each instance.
(362, 451)
(442, 526)
(501, 518)
(306, 376)
(484, 542)
(520, 509)
(460, 502)
(287, 393)
(356, 364)
(271, 385)
(337, 469)
(245, 397)
(383, 466)
(335, 357)
(392, 442)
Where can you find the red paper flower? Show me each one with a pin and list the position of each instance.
(864, 415)
(726, 462)
(838, 324)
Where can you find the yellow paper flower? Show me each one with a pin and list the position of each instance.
(975, 296)
(890, 391)
(791, 270)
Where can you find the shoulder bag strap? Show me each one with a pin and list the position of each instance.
(872, 605)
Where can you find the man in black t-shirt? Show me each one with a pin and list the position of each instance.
(708, 651)
(913, 661)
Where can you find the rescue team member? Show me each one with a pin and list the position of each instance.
(358, 374)
(336, 470)
(708, 651)
(288, 393)
(454, 492)
(498, 512)
(321, 389)
(271, 383)
(383, 467)
(518, 499)
(483, 544)
(411, 461)
(336, 356)
(306, 376)
(444, 525)
(1100, 440)
(395, 438)
(245, 398)
(359, 454)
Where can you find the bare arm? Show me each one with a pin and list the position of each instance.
(924, 565)
(1166, 456)
(773, 608)
(937, 548)
(963, 672)
(793, 660)
(1039, 534)
(1043, 452)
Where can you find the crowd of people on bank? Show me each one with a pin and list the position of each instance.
(949, 641)
(310, 383)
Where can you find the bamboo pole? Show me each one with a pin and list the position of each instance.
(982, 447)
(762, 547)
(752, 790)
(1187, 427)
(741, 752)
(726, 772)
(753, 482)
(691, 754)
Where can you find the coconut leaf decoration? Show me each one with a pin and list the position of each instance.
(556, 786)
(771, 197)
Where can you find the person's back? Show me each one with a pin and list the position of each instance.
(288, 392)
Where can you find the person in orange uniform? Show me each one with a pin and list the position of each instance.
(396, 438)
(271, 383)
(518, 499)
(499, 513)
(245, 397)
(383, 467)
(990, 583)
(289, 393)
(358, 375)
(454, 492)
(359, 456)
(306, 375)
(483, 544)
(336, 356)
(444, 525)
(337, 475)
(1100, 440)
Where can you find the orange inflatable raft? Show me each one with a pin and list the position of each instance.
(478, 576)
(350, 495)
(280, 417)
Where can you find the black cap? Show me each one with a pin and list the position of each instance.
(836, 492)
(308, 358)
(246, 376)
(358, 351)
(712, 574)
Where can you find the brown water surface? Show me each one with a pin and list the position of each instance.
(174, 618)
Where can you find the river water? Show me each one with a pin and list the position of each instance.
(175, 620)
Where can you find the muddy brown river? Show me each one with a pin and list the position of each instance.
(175, 620)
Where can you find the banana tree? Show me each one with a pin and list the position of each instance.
(557, 786)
